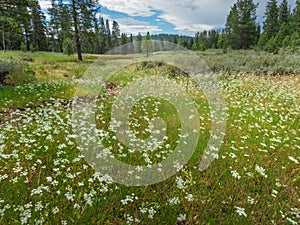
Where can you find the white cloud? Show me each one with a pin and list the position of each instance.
(193, 28)
(132, 26)
(187, 16)
(130, 7)
(190, 16)
(45, 4)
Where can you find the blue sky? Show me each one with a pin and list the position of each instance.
(169, 16)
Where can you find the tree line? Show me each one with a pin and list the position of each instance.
(74, 27)
(281, 28)
(77, 26)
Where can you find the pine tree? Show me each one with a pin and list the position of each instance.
(74, 20)
(124, 39)
(60, 25)
(108, 36)
(213, 36)
(131, 38)
(38, 27)
(138, 44)
(286, 42)
(203, 43)
(102, 34)
(284, 22)
(75, 17)
(232, 27)
(271, 45)
(241, 27)
(196, 39)
(147, 46)
(14, 22)
(295, 41)
(191, 43)
(284, 13)
(222, 42)
(247, 23)
(295, 20)
(124, 45)
(175, 41)
(271, 23)
(115, 33)
(89, 28)
(282, 33)
(262, 41)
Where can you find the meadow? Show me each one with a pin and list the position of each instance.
(255, 178)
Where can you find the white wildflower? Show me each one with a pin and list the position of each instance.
(240, 211)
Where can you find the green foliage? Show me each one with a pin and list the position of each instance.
(262, 41)
(26, 76)
(116, 33)
(286, 41)
(252, 61)
(271, 23)
(38, 27)
(147, 45)
(68, 47)
(59, 25)
(108, 39)
(14, 72)
(284, 13)
(295, 19)
(14, 20)
(32, 48)
(23, 47)
(205, 40)
(221, 41)
(138, 44)
(283, 32)
(241, 27)
(125, 47)
(295, 41)
(9, 66)
(272, 46)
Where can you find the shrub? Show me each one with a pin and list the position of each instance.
(15, 72)
(23, 47)
(27, 58)
(272, 46)
(9, 66)
(26, 76)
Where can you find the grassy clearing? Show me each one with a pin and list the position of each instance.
(49, 66)
(44, 178)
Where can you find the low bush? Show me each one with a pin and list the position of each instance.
(14, 72)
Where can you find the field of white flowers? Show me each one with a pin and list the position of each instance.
(45, 179)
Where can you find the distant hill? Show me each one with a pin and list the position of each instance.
(170, 37)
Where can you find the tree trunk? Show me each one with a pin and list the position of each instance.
(77, 39)
(3, 39)
(27, 40)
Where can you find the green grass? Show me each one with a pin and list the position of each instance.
(255, 180)
(37, 93)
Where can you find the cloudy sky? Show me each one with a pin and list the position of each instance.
(168, 16)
